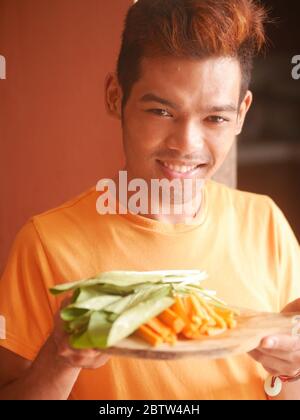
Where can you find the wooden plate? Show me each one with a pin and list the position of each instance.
(252, 328)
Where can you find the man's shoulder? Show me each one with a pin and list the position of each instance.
(71, 216)
(75, 204)
(80, 205)
(240, 201)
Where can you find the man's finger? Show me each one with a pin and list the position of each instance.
(273, 365)
(285, 343)
(288, 356)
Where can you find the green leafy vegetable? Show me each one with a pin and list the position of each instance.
(112, 305)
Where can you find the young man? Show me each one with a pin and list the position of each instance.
(181, 93)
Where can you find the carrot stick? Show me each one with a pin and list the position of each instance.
(190, 317)
(159, 327)
(194, 317)
(179, 309)
(148, 335)
(171, 339)
(190, 329)
(172, 320)
(232, 323)
(213, 331)
(212, 322)
(227, 311)
(189, 308)
(203, 328)
(223, 312)
(220, 322)
(198, 308)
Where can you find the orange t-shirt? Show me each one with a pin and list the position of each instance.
(241, 240)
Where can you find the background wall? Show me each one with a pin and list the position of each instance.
(55, 137)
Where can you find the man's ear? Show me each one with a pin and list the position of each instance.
(113, 96)
(244, 108)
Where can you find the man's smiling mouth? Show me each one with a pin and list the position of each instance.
(181, 169)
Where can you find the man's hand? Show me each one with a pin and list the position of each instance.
(87, 359)
(52, 375)
(280, 354)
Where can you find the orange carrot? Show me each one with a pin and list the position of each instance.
(148, 335)
(172, 320)
(190, 317)
(219, 321)
(189, 308)
(160, 328)
(223, 312)
(232, 323)
(171, 339)
(212, 331)
(198, 309)
(190, 329)
(179, 309)
(212, 322)
(204, 327)
(227, 311)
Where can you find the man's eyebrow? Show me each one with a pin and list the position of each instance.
(223, 108)
(151, 97)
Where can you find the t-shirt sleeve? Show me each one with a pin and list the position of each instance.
(25, 303)
(288, 258)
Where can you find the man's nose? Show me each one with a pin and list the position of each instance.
(187, 138)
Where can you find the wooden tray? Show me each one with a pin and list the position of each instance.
(252, 328)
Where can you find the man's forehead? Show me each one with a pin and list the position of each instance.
(186, 72)
(214, 66)
(185, 80)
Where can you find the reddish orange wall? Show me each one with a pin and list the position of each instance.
(55, 137)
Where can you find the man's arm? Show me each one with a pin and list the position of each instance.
(46, 378)
(53, 373)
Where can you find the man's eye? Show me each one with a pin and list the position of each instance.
(160, 112)
(217, 119)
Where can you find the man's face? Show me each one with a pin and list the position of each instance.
(181, 117)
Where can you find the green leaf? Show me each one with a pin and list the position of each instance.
(78, 325)
(111, 306)
(134, 317)
(69, 314)
(65, 287)
(81, 341)
(98, 329)
(95, 335)
(132, 278)
(84, 293)
(141, 294)
(95, 303)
